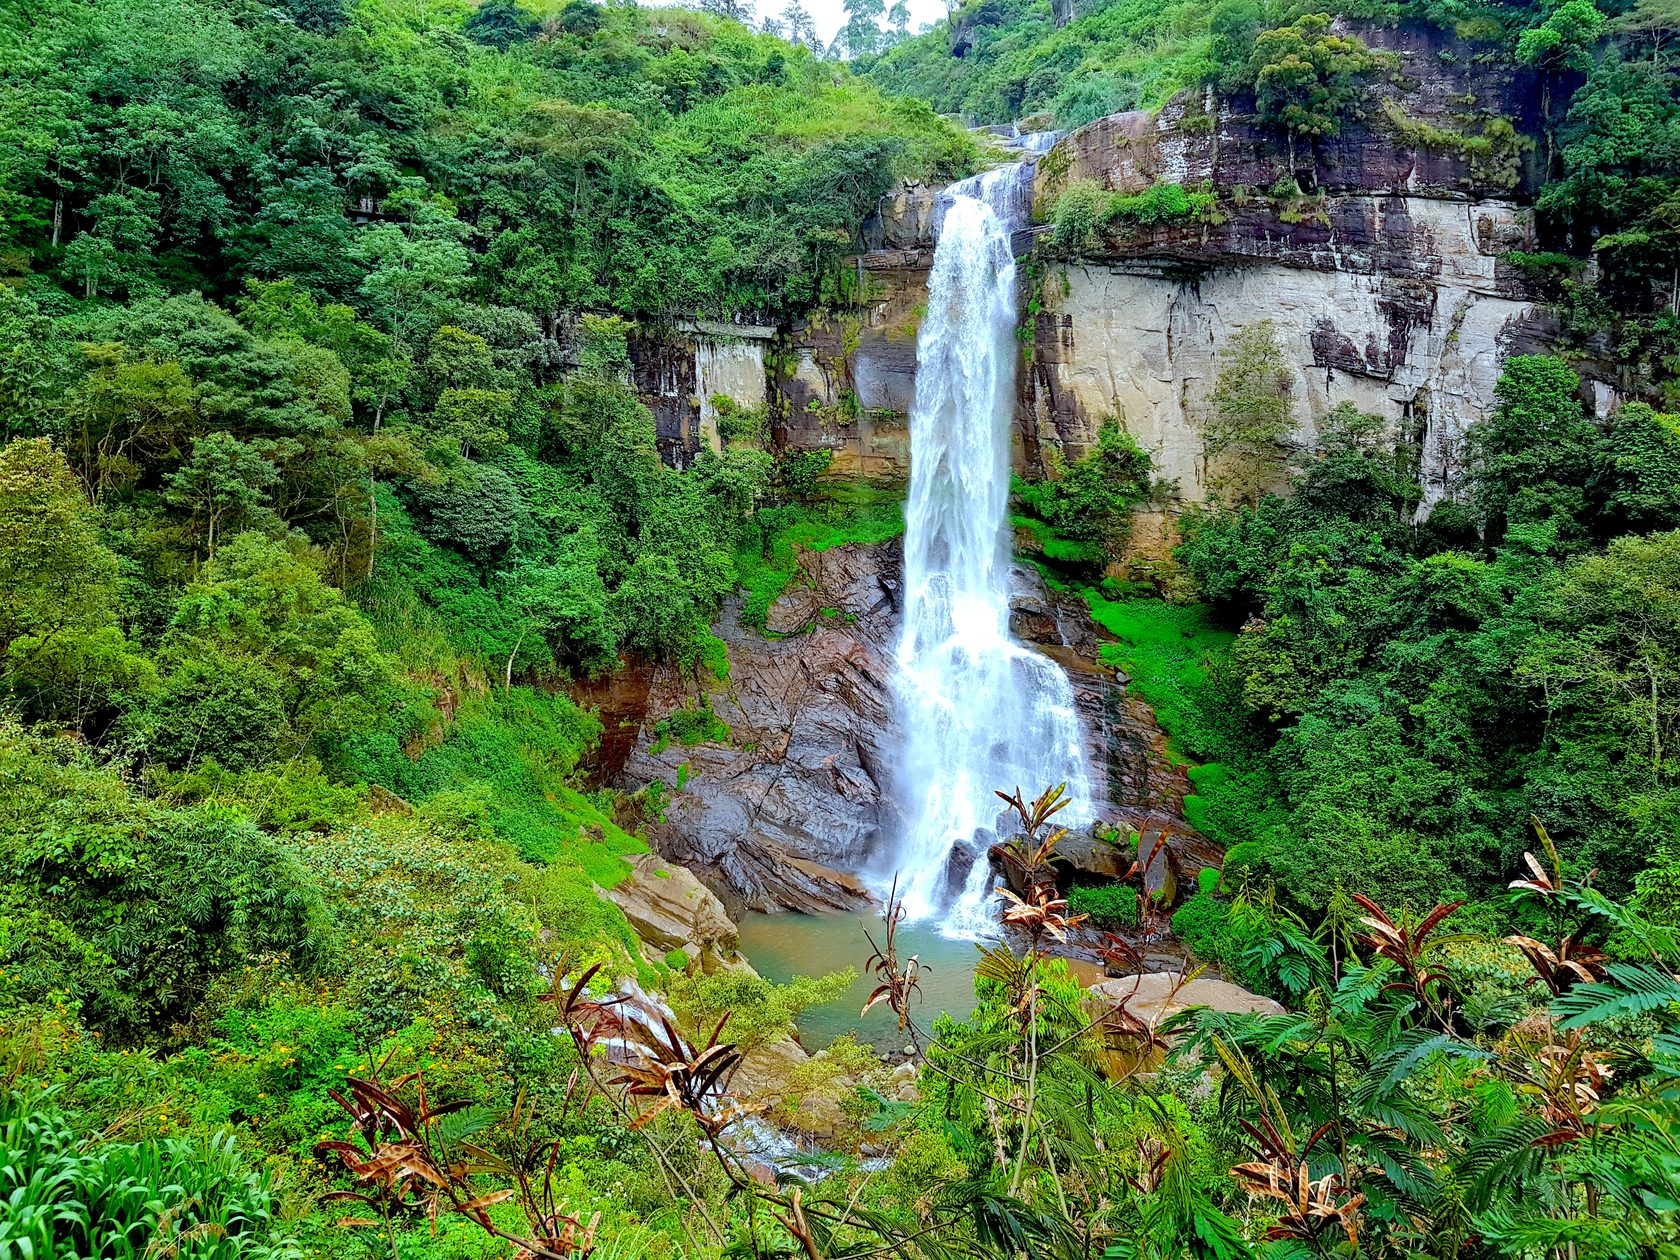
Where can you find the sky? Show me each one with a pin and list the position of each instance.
(830, 15)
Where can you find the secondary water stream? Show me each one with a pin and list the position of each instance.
(979, 712)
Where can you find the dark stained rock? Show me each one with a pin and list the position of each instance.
(663, 372)
(1166, 851)
(1200, 137)
(1032, 613)
(903, 219)
(620, 699)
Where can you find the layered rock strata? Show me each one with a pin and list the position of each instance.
(799, 794)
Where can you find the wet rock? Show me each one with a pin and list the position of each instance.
(957, 866)
(903, 219)
(774, 818)
(619, 698)
(668, 908)
(1155, 868)
(1033, 616)
(1189, 850)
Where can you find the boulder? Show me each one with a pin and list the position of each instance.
(670, 909)
(764, 1071)
(766, 1076)
(1167, 851)
(1152, 997)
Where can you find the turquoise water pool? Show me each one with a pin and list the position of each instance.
(782, 946)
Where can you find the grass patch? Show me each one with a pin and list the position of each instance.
(1178, 660)
(844, 513)
(512, 758)
(1173, 654)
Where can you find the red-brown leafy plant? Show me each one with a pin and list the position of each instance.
(898, 984)
(408, 1163)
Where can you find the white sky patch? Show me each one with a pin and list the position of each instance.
(830, 15)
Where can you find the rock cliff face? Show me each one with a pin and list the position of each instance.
(1385, 278)
(678, 369)
(799, 794)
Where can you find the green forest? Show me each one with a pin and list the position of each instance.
(326, 486)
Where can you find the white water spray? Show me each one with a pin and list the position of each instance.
(979, 711)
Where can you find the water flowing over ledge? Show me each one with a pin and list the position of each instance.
(977, 710)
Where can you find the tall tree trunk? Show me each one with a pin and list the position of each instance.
(507, 681)
(373, 498)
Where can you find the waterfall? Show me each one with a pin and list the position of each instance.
(979, 712)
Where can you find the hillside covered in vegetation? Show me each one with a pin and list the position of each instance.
(326, 486)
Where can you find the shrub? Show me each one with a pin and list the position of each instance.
(760, 1011)
(69, 1196)
(1085, 207)
(1204, 924)
(1111, 906)
(698, 725)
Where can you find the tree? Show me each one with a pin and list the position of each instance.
(57, 580)
(798, 26)
(1605, 664)
(657, 608)
(300, 232)
(580, 17)
(323, 17)
(1638, 473)
(862, 31)
(33, 361)
(732, 10)
(1306, 78)
(1566, 39)
(414, 273)
(563, 605)
(1093, 497)
(1655, 22)
(1530, 460)
(477, 419)
(476, 508)
(1253, 415)
(116, 252)
(223, 482)
(1234, 25)
(263, 659)
(501, 23)
(1352, 470)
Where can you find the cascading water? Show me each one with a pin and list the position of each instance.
(979, 711)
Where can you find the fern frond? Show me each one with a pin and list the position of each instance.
(1631, 989)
